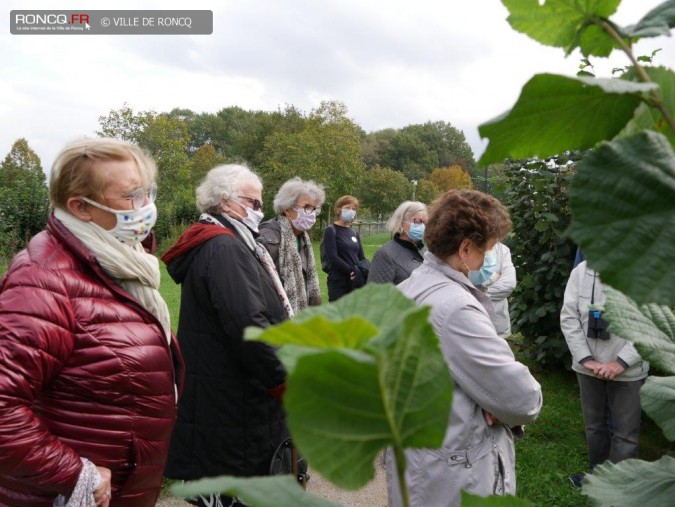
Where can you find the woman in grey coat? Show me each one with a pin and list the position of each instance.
(396, 259)
(494, 394)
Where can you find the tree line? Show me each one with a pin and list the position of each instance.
(381, 168)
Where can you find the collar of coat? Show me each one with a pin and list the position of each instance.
(194, 236)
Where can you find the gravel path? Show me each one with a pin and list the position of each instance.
(374, 494)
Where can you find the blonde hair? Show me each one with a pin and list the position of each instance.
(74, 172)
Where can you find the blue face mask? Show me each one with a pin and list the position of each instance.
(347, 215)
(487, 269)
(416, 232)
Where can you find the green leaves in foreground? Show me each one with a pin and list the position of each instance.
(562, 23)
(277, 491)
(623, 215)
(632, 482)
(652, 329)
(558, 113)
(349, 398)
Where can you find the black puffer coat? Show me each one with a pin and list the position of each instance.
(228, 422)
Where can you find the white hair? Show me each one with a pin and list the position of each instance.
(223, 181)
(405, 211)
(293, 189)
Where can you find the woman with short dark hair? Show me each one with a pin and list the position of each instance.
(347, 264)
(494, 394)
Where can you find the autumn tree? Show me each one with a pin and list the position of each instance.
(451, 178)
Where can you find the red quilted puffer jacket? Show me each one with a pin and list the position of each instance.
(84, 371)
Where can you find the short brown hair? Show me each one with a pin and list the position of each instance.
(344, 201)
(74, 172)
(464, 214)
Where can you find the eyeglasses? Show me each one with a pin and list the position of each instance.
(417, 221)
(309, 209)
(255, 203)
(140, 196)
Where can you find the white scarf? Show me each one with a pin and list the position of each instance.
(132, 268)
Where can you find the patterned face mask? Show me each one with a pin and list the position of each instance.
(304, 221)
(133, 225)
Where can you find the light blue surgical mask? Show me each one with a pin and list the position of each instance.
(487, 269)
(348, 215)
(416, 232)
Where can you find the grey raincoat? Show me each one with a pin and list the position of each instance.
(474, 457)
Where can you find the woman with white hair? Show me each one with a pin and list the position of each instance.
(286, 238)
(395, 260)
(230, 419)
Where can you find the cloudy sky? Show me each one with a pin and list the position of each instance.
(393, 63)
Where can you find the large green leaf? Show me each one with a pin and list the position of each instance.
(469, 500)
(345, 406)
(623, 209)
(650, 327)
(632, 482)
(561, 23)
(277, 491)
(557, 113)
(656, 22)
(657, 398)
(650, 118)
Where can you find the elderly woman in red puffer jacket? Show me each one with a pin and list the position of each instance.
(89, 372)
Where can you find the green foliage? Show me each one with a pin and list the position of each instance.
(561, 102)
(635, 128)
(469, 500)
(417, 149)
(563, 24)
(632, 482)
(382, 189)
(639, 216)
(541, 253)
(24, 198)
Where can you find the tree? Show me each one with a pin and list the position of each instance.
(621, 196)
(24, 198)
(325, 148)
(204, 159)
(124, 124)
(451, 178)
(382, 189)
(417, 149)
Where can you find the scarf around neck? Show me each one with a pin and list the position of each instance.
(300, 295)
(136, 271)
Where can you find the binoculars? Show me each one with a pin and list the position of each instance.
(597, 326)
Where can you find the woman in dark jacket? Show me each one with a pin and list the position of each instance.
(396, 259)
(347, 264)
(230, 419)
(87, 392)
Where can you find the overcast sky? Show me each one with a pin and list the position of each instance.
(393, 63)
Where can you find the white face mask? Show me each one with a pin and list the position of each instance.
(252, 218)
(133, 225)
(304, 221)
